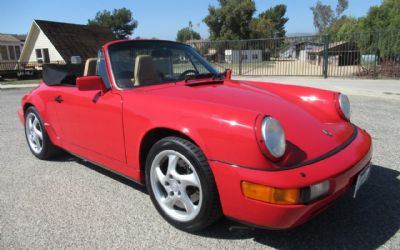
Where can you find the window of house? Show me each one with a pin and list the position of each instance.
(39, 57)
(4, 53)
(254, 56)
(17, 51)
(11, 52)
(46, 56)
(42, 55)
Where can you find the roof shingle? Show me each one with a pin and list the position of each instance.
(75, 39)
(8, 38)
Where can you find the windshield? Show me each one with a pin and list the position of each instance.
(139, 63)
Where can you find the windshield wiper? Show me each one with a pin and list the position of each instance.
(204, 79)
(214, 76)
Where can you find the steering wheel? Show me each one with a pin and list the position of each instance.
(187, 72)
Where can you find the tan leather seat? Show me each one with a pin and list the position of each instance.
(145, 71)
(90, 67)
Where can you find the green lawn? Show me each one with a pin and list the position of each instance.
(18, 82)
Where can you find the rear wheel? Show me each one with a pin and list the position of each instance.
(37, 137)
(181, 184)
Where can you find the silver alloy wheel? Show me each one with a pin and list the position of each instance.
(34, 133)
(176, 185)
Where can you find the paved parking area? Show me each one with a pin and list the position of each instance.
(68, 203)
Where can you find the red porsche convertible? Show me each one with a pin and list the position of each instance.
(156, 112)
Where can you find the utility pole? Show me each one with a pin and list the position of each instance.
(191, 30)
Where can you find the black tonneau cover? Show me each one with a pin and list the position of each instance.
(59, 74)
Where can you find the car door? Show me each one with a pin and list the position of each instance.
(92, 122)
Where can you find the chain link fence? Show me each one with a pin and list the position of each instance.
(370, 55)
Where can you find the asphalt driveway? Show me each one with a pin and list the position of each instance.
(69, 203)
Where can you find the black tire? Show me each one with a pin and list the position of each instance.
(210, 208)
(48, 149)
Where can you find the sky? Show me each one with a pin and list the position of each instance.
(157, 18)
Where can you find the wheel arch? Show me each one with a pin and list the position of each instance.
(26, 106)
(154, 135)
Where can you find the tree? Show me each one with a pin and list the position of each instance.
(385, 16)
(262, 28)
(384, 22)
(344, 24)
(187, 34)
(270, 23)
(120, 21)
(231, 20)
(341, 7)
(377, 32)
(324, 16)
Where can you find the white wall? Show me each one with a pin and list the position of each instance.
(248, 56)
(38, 40)
(289, 52)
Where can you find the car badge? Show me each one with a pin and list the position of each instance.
(326, 132)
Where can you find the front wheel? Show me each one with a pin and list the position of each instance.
(36, 136)
(181, 184)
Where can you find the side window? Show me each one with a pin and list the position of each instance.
(18, 51)
(3, 53)
(102, 69)
(183, 62)
(180, 62)
(11, 51)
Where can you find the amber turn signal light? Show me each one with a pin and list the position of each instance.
(269, 194)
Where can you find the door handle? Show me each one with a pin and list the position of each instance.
(58, 99)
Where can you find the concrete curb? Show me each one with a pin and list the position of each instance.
(387, 88)
(18, 86)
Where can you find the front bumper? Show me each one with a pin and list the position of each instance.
(341, 169)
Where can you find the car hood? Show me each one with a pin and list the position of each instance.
(308, 115)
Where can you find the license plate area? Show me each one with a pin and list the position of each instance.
(361, 179)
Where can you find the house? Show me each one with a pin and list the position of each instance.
(57, 42)
(21, 38)
(10, 48)
(341, 53)
(244, 56)
(299, 50)
(10, 51)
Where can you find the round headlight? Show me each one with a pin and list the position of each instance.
(344, 105)
(273, 136)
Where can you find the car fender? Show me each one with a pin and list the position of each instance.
(223, 133)
(39, 98)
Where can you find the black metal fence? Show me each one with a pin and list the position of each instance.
(371, 55)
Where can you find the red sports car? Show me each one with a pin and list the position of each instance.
(156, 112)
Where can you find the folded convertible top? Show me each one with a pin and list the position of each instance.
(57, 74)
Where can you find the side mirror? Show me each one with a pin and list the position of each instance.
(86, 83)
(228, 74)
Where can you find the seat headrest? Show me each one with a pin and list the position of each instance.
(90, 67)
(145, 71)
